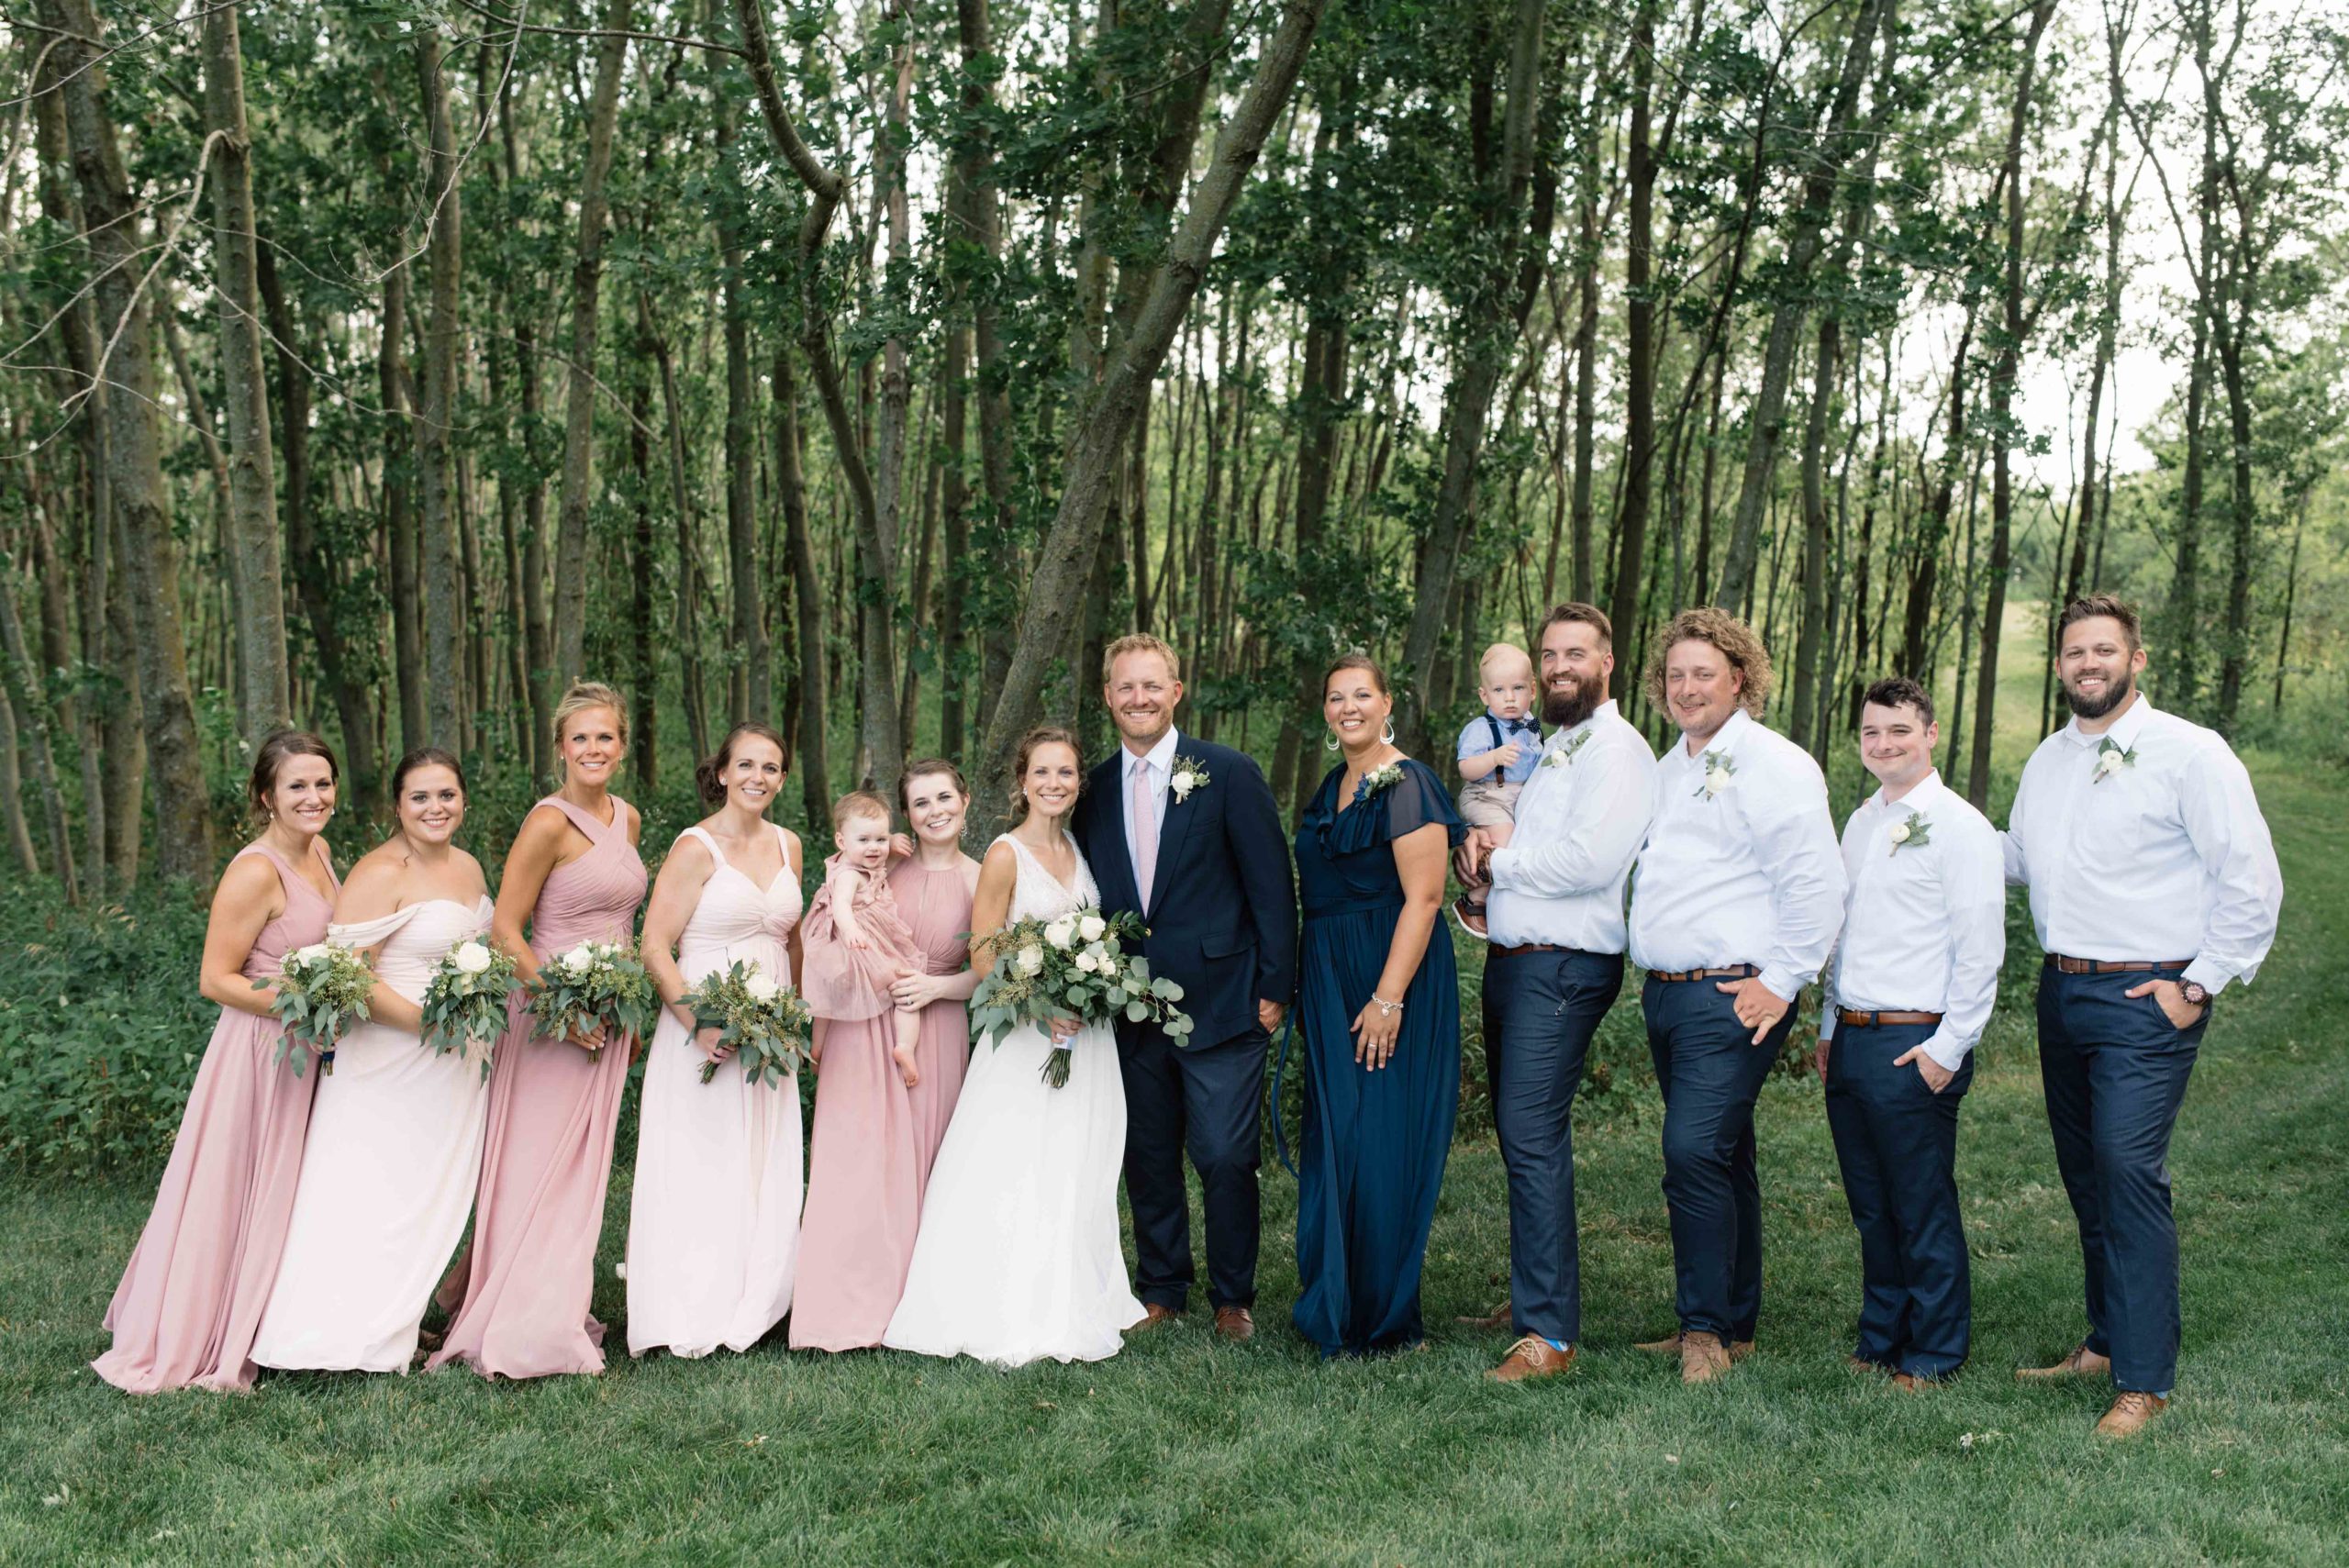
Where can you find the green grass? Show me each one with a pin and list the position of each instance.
(1185, 1451)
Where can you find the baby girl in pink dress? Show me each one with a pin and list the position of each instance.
(857, 943)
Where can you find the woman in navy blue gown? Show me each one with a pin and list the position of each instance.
(1379, 1009)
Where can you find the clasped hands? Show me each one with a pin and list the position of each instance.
(1471, 862)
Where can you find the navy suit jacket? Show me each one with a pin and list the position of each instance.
(1223, 915)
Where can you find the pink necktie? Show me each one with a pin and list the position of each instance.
(1145, 833)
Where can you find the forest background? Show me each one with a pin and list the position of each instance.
(382, 366)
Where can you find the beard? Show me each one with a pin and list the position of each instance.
(2115, 694)
(1566, 705)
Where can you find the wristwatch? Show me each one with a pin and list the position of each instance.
(2195, 993)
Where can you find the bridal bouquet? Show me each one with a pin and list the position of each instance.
(1075, 967)
(322, 989)
(764, 1019)
(465, 1002)
(594, 983)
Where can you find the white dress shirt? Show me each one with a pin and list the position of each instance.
(1158, 762)
(2165, 857)
(1925, 927)
(1560, 878)
(1748, 875)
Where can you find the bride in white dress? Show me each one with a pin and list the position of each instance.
(396, 1133)
(1018, 1257)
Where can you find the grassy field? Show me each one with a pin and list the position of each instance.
(1185, 1451)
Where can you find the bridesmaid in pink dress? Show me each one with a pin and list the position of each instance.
(192, 1297)
(874, 1135)
(554, 1104)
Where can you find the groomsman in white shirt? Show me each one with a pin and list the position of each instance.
(2153, 886)
(1915, 977)
(1554, 917)
(1736, 902)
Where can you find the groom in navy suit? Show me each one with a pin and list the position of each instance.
(1185, 833)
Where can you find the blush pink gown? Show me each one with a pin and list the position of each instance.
(191, 1299)
(713, 1222)
(553, 1112)
(874, 1138)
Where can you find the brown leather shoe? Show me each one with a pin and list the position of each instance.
(2082, 1362)
(1703, 1357)
(1910, 1382)
(1670, 1346)
(1236, 1324)
(1152, 1315)
(2132, 1413)
(1501, 1317)
(1533, 1357)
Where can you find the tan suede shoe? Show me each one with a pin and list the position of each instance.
(2132, 1413)
(1670, 1346)
(1703, 1357)
(1530, 1358)
(2082, 1362)
(1500, 1318)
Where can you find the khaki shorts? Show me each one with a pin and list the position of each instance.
(1489, 802)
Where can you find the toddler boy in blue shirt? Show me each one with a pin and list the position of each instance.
(1497, 752)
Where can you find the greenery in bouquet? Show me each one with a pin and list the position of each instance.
(1076, 966)
(321, 990)
(465, 1002)
(594, 983)
(764, 1019)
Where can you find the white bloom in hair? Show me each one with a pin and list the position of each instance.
(1061, 932)
(761, 989)
(1032, 959)
(1091, 927)
(472, 958)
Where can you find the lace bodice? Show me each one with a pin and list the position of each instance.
(1038, 894)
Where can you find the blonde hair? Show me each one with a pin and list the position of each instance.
(1498, 651)
(1733, 637)
(1140, 642)
(580, 695)
(859, 803)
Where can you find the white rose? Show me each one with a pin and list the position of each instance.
(1091, 927)
(1899, 832)
(472, 958)
(2108, 764)
(1032, 959)
(1181, 783)
(315, 953)
(1716, 780)
(1089, 963)
(761, 989)
(1061, 932)
(579, 960)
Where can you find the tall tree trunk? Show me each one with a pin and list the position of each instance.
(1639, 370)
(264, 699)
(401, 545)
(134, 453)
(807, 593)
(444, 598)
(741, 452)
(579, 405)
(27, 705)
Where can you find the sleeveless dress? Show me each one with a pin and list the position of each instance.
(388, 1174)
(1374, 1143)
(713, 1224)
(873, 1138)
(554, 1110)
(1019, 1258)
(192, 1295)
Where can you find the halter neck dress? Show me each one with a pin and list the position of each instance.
(192, 1295)
(713, 1223)
(389, 1172)
(553, 1112)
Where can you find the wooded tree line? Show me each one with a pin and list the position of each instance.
(380, 367)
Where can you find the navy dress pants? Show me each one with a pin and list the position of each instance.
(1548, 1005)
(1711, 1073)
(1896, 1142)
(1203, 1100)
(2115, 1070)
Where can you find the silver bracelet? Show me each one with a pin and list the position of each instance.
(1386, 1009)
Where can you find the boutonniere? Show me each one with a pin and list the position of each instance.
(1916, 831)
(1565, 754)
(1720, 769)
(2110, 759)
(1379, 781)
(1189, 773)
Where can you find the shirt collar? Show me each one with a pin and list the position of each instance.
(1929, 788)
(1160, 758)
(2124, 730)
(1725, 739)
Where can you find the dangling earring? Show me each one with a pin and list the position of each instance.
(1387, 732)
(1332, 743)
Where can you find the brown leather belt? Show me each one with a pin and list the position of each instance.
(1860, 1020)
(1523, 948)
(1682, 976)
(2064, 964)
